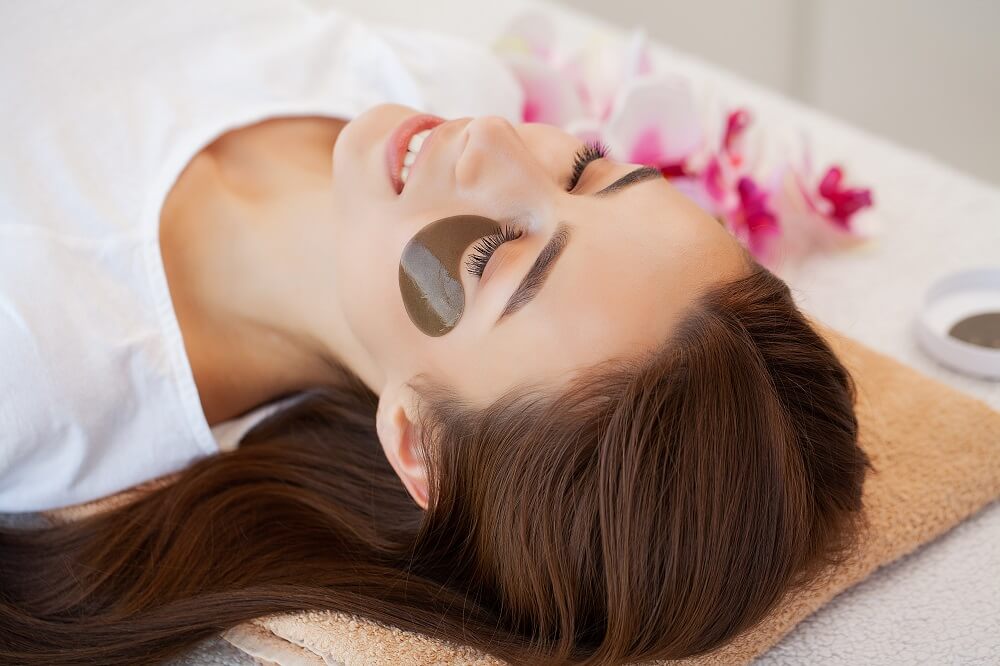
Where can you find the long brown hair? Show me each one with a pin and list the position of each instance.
(652, 508)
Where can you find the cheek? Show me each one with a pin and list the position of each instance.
(365, 259)
(367, 252)
(368, 295)
(374, 311)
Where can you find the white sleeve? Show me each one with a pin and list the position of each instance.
(90, 403)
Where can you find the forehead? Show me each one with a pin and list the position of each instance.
(634, 262)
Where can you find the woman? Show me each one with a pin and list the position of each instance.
(506, 392)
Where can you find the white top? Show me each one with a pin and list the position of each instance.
(104, 104)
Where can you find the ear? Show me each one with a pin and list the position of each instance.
(400, 439)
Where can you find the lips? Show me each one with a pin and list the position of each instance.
(395, 149)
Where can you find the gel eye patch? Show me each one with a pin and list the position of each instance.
(429, 277)
(980, 329)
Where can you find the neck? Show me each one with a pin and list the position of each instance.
(238, 237)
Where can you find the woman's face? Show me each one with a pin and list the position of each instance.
(631, 257)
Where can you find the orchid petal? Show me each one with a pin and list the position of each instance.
(637, 60)
(585, 129)
(548, 96)
(828, 199)
(694, 188)
(736, 123)
(715, 183)
(654, 121)
(844, 202)
(755, 222)
(591, 98)
(595, 74)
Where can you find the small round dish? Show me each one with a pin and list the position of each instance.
(959, 322)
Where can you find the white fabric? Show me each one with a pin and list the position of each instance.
(104, 103)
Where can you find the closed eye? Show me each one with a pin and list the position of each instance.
(532, 282)
(591, 151)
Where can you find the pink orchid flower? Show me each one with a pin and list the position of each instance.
(827, 198)
(653, 122)
(563, 86)
(754, 222)
(610, 92)
(550, 95)
(835, 202)
(725, 187)
(844, 202)
(606, 93)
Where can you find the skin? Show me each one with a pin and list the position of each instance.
(280, 258)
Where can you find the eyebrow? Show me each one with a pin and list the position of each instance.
(631, 178)
(532, 282)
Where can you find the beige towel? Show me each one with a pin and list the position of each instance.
(937, 452)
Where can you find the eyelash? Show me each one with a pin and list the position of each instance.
(487, 245)
(592, 150)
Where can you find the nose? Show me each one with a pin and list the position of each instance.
(493, 149)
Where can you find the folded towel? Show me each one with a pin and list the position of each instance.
(936, 452)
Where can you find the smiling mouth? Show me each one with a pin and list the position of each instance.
(412, 148)
(404, 146)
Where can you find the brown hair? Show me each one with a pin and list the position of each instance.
(653, 508)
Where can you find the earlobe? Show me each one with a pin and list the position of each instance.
(400, 439)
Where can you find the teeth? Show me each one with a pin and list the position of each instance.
(412, 148)
(417, 140)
